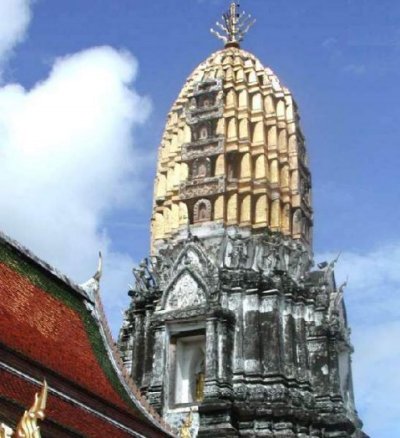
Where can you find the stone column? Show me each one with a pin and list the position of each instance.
(148, 347)
(158, 374)
(137, 356)
(251, 339)
(211, 388)
(271, 332)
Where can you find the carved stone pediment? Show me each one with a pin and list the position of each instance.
(186, 290)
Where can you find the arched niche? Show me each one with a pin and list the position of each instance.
(201, 168)
(202, 211)
(189, 369)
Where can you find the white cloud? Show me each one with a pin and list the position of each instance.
(373, 303)
(15, 17)
(67, 159)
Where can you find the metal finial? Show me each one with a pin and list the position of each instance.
(234, 27)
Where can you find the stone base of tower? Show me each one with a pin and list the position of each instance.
(237, 330)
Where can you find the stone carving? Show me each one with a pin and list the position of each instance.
(237, 252)
(214, 146)
(203, 187)
(185, 292)
(202, 211)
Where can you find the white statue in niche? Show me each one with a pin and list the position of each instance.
(189, 369)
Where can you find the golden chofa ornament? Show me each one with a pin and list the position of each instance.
(234, 27)
(28, 427)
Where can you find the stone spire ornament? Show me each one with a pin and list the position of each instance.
(235, 25)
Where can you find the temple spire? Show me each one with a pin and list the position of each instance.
(235, 25)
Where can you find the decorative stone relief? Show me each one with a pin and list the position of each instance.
(186, 292)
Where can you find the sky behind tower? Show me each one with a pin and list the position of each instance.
(84, 92)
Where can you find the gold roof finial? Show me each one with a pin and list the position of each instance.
(28, 427)
(234, 27)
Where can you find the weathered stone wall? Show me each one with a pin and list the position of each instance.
(277, 343)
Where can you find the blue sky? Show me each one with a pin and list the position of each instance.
(84, 91)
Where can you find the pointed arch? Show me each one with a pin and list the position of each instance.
(280, 108)
(231, 99)
(245, 166)
(245, 209)
(258, 133)
(261, 210)
(269, 105)
(274, 168)
(282, 140)
(256, 102)
(240, 75)
(252, 77)
(272, 137)
(220, 165)
(219, 208)
(260, 167)
(275, 213)
(244, 129)
(285, 176)
(232, 129)
(232, 208)
(243, 99)
(292, 143)
(229, 76)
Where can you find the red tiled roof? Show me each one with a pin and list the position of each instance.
(63, 413)
(51, 333)
(45, 321)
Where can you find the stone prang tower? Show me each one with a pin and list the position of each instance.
(228, 320)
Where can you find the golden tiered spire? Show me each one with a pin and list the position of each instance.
(234, 27)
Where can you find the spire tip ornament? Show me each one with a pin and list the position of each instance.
(234, 27)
